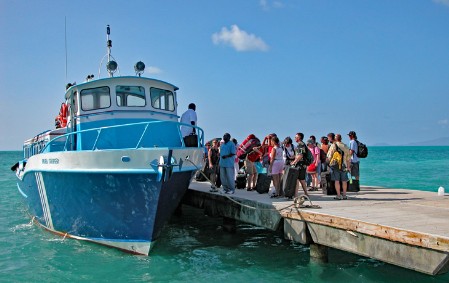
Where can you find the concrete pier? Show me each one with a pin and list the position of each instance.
(402, 227)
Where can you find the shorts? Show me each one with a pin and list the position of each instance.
(250, 167)
(338, 175)
(302, 172)
(355, 169)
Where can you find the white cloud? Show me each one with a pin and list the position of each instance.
(444, 2)
(153, 70)
(444, 122)
(266, 5)
(240, 40)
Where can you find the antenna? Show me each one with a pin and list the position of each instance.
(65, 45)
(111, 65)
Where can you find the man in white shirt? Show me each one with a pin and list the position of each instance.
(189, 117)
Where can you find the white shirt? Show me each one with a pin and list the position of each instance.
(187, 118)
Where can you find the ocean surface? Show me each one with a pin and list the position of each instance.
(193, 247)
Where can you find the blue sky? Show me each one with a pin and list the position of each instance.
(380, 68)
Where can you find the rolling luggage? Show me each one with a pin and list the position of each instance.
(240, 181)
(191, 140)
(201, 175)
(354, 187)
(327, 185)
(289, 181)
(263, 183)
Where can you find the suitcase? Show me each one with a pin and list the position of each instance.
(240, 181)
(327, 185)
(289, 181)
(191, 140)
(202, 174)
(263, 183)
(354, 187)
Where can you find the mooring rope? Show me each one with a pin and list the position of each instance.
(298, 202)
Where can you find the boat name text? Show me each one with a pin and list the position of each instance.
(50, 161)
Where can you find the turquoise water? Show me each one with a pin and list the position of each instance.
(193, 247)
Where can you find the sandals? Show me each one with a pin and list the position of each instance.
(249, 189)
(340, 197)
(312, 189)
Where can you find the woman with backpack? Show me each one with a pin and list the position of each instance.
(313, 168)
(289, 151)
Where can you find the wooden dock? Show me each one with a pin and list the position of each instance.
(407, 228)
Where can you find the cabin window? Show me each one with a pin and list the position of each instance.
(132, 96)
(95, 98)
(162, 99)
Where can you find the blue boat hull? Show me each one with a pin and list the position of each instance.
(123, 210)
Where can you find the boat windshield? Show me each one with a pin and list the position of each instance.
(133, 96)
(162, 99)
(95, 98)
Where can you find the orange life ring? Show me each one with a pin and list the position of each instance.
(61, 119)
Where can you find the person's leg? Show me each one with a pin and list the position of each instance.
(276, 184)
(224, 179)
(355, 170)
(314, 180)
(344, 180)
(318, 175)
(337, 187)
(230, 178)
(213, 176)
(304, 187)
(254, 180)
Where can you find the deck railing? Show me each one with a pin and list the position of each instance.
(127, 136)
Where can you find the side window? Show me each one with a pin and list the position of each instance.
(132, 96)
(162, 99)
(95, 98)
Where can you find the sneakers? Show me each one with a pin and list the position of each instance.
(229, 192)
(213, 189)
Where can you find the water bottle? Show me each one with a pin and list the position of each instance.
(440, 191)
(349, 177)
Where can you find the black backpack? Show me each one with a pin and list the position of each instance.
(307, 157)
(362, 150)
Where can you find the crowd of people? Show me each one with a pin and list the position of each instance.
(330, 154)
(277, 156)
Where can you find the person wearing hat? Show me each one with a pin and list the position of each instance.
(355, 162)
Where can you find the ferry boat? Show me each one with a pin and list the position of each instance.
(116, 166)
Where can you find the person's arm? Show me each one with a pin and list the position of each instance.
(272, 155)
(330, 152)
(209, 157)
(351, 146)
(193, 121)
